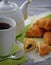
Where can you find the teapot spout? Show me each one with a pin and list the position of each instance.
(24, 8)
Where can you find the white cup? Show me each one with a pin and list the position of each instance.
(7, 36)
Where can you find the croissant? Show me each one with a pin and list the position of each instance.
(44, 23)
(43, 49)
(35, 31)
(29, 44)
(47, 38)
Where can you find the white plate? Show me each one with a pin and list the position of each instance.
(32, 54)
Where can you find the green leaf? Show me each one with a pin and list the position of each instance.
(49, 16)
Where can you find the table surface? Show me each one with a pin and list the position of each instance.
(34, 8)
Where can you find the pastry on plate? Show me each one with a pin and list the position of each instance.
(47, 38)
(34, 31)
(44, 23)
(29, 44)
(43, 49)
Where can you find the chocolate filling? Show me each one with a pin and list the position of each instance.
(29, 46)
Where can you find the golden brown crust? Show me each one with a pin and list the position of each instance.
(35, 31)
(43, 49)
(29, 44)
(47, 38)
(44, 23)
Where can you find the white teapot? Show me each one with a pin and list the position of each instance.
(10, 9)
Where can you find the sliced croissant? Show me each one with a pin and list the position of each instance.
(43, 49)
(29, 44)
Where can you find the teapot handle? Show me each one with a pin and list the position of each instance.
(5, 1)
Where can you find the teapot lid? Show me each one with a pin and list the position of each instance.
(7, 7)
